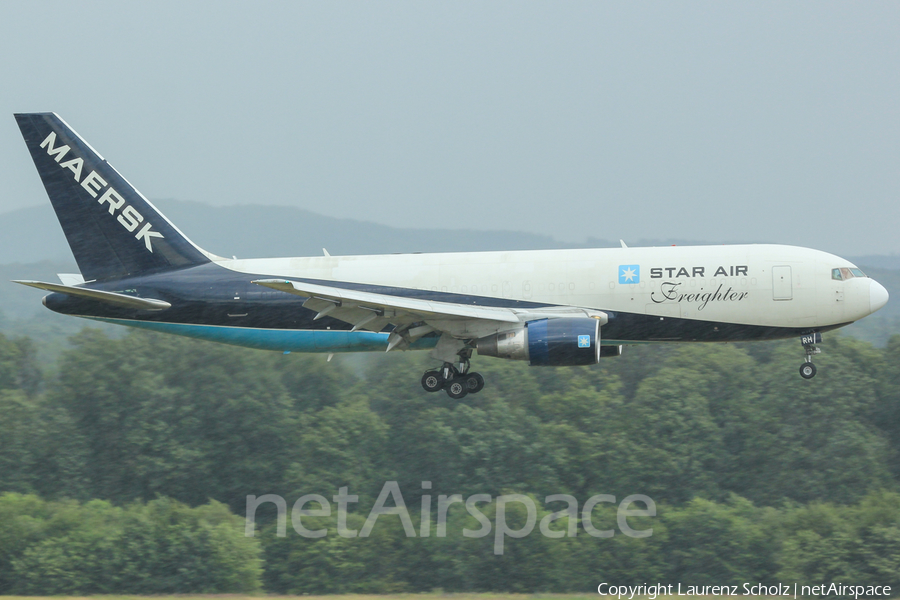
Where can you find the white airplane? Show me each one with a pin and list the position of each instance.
(549, 307)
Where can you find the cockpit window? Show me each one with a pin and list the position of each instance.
(844, 273)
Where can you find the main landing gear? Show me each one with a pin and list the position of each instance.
(808, 369)
(455, 378)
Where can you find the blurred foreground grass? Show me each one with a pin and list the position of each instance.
(435, 596)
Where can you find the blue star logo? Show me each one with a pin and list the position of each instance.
(584, 341)
(629, 273)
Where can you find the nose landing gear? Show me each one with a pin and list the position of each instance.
(458, 381)
(808, 369)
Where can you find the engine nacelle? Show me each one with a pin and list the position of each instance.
(565, 341)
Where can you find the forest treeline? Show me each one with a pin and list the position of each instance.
(126, 466)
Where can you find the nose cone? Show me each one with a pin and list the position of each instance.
(878, 296)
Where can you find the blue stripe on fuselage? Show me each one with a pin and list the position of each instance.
(293, 340)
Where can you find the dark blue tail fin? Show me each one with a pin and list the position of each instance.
(112, 229)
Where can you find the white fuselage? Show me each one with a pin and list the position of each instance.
(764, 285)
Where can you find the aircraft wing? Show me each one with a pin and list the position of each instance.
(372, 311)
(342, 303)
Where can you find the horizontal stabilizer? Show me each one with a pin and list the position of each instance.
(109, 297)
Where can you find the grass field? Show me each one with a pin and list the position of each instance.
(362, 597)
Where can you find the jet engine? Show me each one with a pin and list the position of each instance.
(564, 341)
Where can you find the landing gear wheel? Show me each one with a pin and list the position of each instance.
(432, 381)
(457, 388)
(807, 370)
(474, 381)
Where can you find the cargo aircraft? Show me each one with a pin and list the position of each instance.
(547, 307)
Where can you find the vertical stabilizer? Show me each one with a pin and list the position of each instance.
(112, 229)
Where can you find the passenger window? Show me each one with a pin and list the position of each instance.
(836, 274)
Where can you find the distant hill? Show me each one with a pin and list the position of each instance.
(250, 231)
(33, 234)
(878, 261)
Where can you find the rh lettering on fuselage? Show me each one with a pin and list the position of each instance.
(676, 272)
(129, 217)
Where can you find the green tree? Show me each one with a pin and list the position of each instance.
(338, 446)
(19, 369)
(716, 544)
(808, 440)
(530, 564)
(332, 564)
(886, 414)
(40, 450)
(159, 547)
(23, 521)
(856, 544)
(176, 417)
(677, 443)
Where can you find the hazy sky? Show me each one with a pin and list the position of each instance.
(769, 122)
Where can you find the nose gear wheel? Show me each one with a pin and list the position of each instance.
(807, 370)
